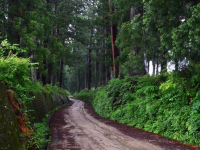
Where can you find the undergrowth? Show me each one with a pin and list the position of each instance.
(166, 104)
(15, 75)
(87, 95)
(41, 130)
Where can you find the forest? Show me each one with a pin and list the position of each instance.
(117, 54)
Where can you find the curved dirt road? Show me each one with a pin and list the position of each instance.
(78, 127)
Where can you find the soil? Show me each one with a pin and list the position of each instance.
(78, 127)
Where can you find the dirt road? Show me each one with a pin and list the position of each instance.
(78, 127)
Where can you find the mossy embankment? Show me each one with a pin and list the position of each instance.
(25, 104)
(166, 104)
(17, 123)
(9, 130)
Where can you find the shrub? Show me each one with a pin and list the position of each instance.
(87, 95)
(167, 104)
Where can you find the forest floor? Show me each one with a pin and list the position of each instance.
(78, 127)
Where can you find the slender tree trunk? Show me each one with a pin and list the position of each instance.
(100, 66)
(89, 61)
(115, 51)
(44, 77)
(164, 61)
(134, 11)
(3, 5)
(61, 73)
(78, 80)
(86, 76)
(89, 69)
(97, 70)
(153, 67)
(108, 56)
(176, 64)
(13, 33)
(108, 74)
(157, 66)
(38, 75)
(153, 62)
(49, 74)
(103, 66)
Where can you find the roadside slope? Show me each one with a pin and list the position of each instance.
(78, 127)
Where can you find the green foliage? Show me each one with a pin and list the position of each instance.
(87, 95)
(56, 90)
(167, 104)
(186, 36)
(6, 47)
(37, 139)
(15, 74)
(15, 70)
(162, 31)
(41, 131)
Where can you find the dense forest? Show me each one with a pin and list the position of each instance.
(85, 43)
(114, 53)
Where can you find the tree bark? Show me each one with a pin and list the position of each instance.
(78, 80)
(89, 69)
(157, 65)
(97, 70)
(61, 73)
(115, 51)
(3, 20)
(164, 61)
(103, 66)
(153, 62)
(134, 11)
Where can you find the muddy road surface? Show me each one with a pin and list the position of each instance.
(78, 127)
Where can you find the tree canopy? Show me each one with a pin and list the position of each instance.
(85, 43)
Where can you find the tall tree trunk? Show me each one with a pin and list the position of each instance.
(97, 70)
(164, 61)
(90, 61)
(108, 56)
(153, 62)
(3, 5)
(108, 75)
(100, 67)
(13, 34)
(176, 64)
(78, 80)
(89, 68)
(44, 76)
(133, 12)
(87, 71)
(49, 73)
(103, 66)
(115, 51)
(38, 74)
(157, 66)
(61, 73)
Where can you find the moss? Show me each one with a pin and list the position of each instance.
(9, 129)
(43, 104)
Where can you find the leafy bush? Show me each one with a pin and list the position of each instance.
(87, 95)
(15, 70)
(167, 104)
(56, 90)
(15, 74)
